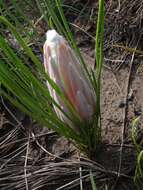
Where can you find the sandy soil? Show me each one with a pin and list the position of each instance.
(32, 157)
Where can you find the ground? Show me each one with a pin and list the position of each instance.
(32, 157)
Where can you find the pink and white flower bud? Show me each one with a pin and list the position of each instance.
(65, 70)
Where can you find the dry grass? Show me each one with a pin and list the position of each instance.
(27, 159)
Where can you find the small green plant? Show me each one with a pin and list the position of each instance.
(27, 89)
(138, 178)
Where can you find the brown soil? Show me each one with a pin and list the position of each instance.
(34, 158)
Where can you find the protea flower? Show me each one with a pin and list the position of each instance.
(64, 68)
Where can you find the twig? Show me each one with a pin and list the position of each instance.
(125, 113)
(124, 118)
(46, 151)
(22, 149)
(25, 165)
(31, 139)
(129, 49)
(13, 116)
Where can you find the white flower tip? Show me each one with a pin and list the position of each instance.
(53, 37)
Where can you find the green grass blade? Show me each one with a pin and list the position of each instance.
(92, 181)
(134, 133)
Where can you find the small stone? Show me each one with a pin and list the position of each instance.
(121, 104)
(130, 95)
